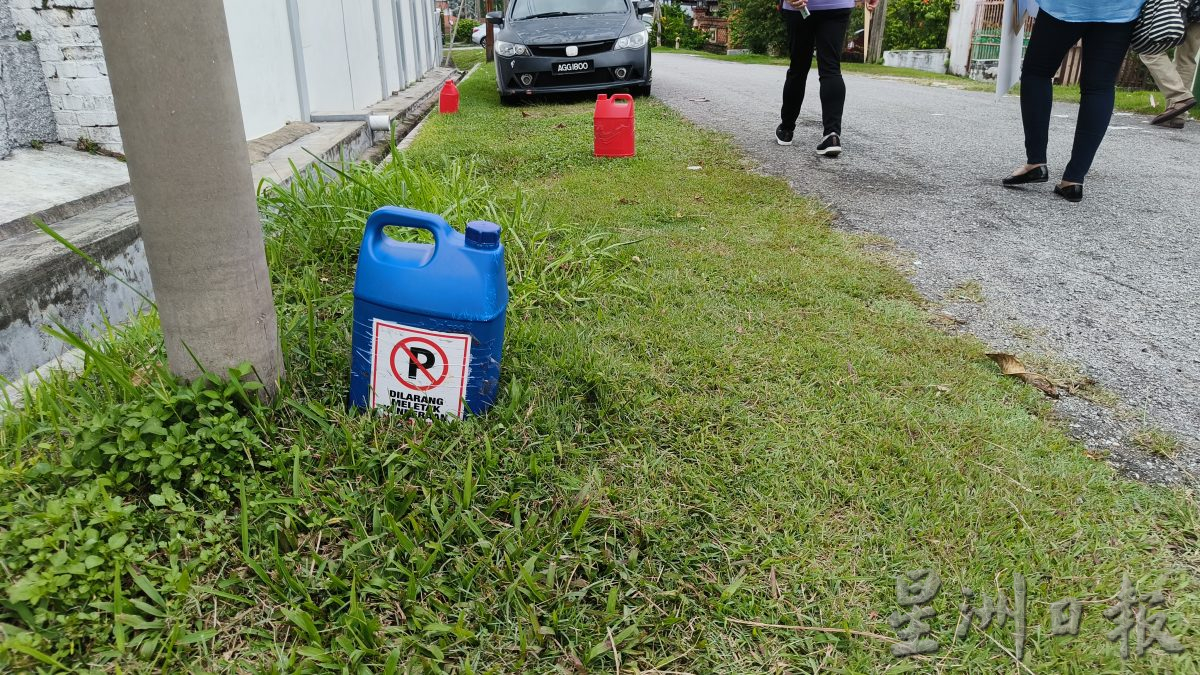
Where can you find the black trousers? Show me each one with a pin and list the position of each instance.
(1104, 48)
(825, 32)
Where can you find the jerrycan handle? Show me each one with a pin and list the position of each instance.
(622, 97)
(396, 216)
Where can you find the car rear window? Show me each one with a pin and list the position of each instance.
(527, 9)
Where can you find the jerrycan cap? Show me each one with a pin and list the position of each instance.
(483, 235)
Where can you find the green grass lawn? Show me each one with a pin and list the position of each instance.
(1128, 100)
(724, 429)
(465, 58)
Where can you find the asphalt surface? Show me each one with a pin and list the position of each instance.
(1110, 286)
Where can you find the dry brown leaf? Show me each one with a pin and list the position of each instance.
(1012, 366)
(525, 114)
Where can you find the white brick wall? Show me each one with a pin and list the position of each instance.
(73, 61)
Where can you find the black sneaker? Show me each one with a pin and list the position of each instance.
(831, 146)
(783, 136)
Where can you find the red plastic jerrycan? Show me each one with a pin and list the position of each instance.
(448, 103)
(614, 126)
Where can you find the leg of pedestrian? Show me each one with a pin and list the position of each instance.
(1185, 57)
(1169, 81)
(830, 38)
(1166, 78)
(1049, 43)
(800, 38)
(1185, 65)
(1174, 77)
(1104, 49)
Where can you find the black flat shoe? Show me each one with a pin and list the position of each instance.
(1039, 175)
(1071, 193)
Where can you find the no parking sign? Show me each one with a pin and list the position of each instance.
(419, 370)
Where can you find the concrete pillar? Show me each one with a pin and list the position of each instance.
(172, 76)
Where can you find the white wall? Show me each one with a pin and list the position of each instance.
(388, 26)
(958, 37)
(324, 39)
(341, 49)
(262, 60)
(362, 54)
(408, 39)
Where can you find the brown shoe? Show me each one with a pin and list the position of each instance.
(1174, 110)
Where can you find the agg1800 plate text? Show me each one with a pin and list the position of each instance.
(572, 67)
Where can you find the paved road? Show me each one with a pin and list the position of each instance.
(1112, 284)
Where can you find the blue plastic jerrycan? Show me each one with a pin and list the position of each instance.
(428, 319)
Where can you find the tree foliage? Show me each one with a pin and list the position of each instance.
(677, 24)
(911, 24)
(462, 30)
(756, 25)
(917, 24)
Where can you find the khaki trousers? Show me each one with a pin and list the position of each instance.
(1175, 78)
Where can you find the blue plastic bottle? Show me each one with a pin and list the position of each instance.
(428, 319)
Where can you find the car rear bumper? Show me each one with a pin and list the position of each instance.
(602, 77)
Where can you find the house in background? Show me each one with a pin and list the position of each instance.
(294, 59)
(716, 28)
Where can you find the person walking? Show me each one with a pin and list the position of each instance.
(1106, 29)
(818, 25)
(1175, 78)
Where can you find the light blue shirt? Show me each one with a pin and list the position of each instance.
(1100, 11)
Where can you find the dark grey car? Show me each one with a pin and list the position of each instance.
(548, 46)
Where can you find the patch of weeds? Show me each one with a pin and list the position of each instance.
(1156, 442)
(85, 144)
(1100, 395)
(885, 251)
(37, 145)
(127, 498)
(967, 291)
(1069, 376)
(25, 36)
(1026, 333)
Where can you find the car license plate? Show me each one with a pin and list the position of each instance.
(572, 67)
